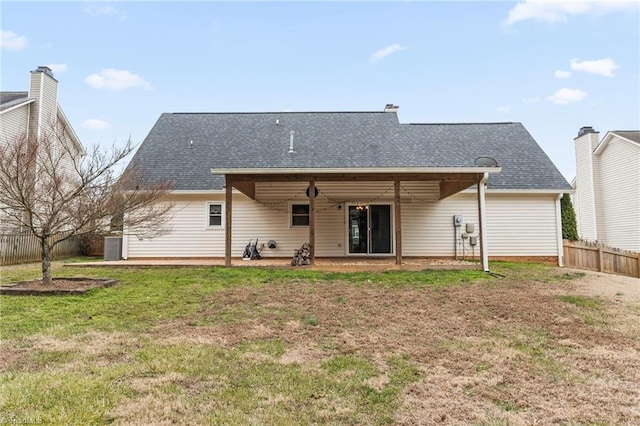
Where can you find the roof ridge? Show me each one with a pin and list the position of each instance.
(281, 112)
(461, 124)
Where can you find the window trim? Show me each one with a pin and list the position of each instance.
(208, 215)
(298, 203)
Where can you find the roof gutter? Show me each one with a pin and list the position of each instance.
(356, 170)
(522, 191)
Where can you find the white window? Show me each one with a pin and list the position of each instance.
(299, 214)
(215, 213)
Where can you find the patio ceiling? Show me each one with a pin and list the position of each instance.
(451, 182)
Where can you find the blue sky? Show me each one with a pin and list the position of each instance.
(554, 66)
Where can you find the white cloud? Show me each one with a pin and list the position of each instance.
(58, 67)
(504, 109)
(12, 41)
(113, 79)
(599, 66)
(562, 74)
(95, 124)
(389, 50)
(566, 96)
(101, 9)
(532, 100)
(555, 11)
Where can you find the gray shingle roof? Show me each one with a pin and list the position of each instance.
(10, 99)
(335, 140)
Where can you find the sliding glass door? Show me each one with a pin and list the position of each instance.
(369, 229)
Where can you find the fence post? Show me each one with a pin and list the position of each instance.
(600, 260)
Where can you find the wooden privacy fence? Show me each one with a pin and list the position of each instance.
(20, 248)
(581, 255)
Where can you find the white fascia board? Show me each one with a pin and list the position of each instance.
(196, 191)
(192, 191)
(521, 191)
(356, 170)
(18, 105)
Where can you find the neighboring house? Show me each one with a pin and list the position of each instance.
(30, 116)
(607, 187)
(353, 184)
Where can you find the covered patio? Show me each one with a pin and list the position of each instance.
(450, 181)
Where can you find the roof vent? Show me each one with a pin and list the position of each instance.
(391, 108)
(585, 130)
(291, 135)
(485, 162)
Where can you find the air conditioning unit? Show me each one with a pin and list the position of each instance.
(112, 248)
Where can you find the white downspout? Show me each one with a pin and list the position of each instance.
(482, 213)
(125, 238)
(559, 231)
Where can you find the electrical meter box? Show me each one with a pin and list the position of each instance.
(473, 240)
(470, 228)
(457, 220)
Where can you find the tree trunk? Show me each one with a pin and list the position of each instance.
(46, 261)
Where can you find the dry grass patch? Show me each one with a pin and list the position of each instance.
(516, 353)
(523, 350)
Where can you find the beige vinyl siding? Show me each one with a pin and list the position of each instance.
(598, 198)
(522, 225)
(49, 102)
(14, 123)
(70, 156)
(268, 218)
(35, 91)
(189, 235)
(331, 209)
(427, 228)
(517, 225)
(44, 109)
(620, 165)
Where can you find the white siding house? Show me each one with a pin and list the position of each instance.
(30, 116)
(368, 170)
(607, 188)
(518, 225)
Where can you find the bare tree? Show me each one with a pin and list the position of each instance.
(52, 189)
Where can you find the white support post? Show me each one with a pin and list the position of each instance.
(482, 213)
(228, 198)
(125, 239)
(559, 231)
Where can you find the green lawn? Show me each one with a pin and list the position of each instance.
(280, 346)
